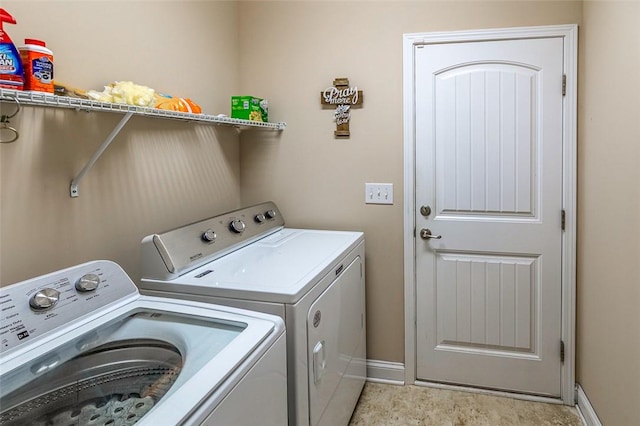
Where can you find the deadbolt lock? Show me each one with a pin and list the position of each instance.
(425, 211)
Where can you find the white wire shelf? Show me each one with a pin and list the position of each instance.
(49, 100)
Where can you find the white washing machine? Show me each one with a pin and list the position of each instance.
(313, 279)
(81, 346)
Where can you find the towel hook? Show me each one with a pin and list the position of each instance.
(4, 125)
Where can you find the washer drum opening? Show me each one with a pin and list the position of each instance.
(113, 384)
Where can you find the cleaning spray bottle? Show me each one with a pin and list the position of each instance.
(11, 73)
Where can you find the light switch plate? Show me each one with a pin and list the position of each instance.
(378, 193)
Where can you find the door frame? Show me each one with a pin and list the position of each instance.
(569, 183)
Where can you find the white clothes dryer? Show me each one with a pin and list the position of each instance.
(313, 279)
(81, 346)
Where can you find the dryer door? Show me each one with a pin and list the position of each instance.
(335, 327)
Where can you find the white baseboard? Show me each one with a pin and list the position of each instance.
(385, 372)
(585, 409)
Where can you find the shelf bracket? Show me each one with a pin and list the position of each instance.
(76, 181)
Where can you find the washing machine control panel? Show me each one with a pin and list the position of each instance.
(31, 309)
(172, 253)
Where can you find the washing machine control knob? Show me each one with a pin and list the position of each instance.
(44, 299)
(87, 282)
(260, 218)
(270, 214)
(209, 236)
(237, 226)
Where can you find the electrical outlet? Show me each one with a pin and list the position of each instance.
(378, 193)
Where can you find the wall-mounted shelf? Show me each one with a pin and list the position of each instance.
(49, 100)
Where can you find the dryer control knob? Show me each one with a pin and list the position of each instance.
(259, 218)
(270, 214)
(88, 282)
(44, 299)
(237, 226)
(209, 236)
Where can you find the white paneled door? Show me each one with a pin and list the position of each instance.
(488, 152)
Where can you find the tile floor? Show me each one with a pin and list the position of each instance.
(391, 405)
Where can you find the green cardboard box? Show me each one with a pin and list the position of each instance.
(249, 108)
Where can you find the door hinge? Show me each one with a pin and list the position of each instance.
(564, 85)
(561, 351)
(563, 219)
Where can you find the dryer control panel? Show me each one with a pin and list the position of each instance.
(173, 253)
(33, 308)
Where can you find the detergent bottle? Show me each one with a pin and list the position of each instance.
(11, 73)
(37, 63)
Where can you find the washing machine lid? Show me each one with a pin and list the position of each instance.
(281, 267)
(143, 356)
(147, 359)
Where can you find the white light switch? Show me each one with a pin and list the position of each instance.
(378, 193)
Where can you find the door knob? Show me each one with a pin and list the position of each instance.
(426, 234)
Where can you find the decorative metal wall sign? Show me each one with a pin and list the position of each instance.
(343, 97)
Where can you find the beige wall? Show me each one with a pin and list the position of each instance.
(157, 174)
(161, 174)
(318, 181)
(608, 329)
